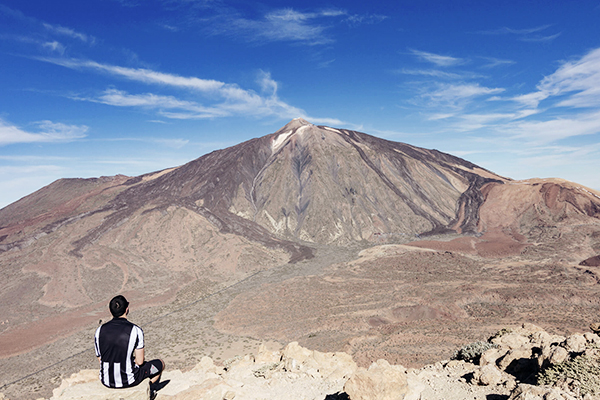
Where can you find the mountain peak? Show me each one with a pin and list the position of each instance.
(295, 124)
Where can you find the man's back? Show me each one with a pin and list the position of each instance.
(115, 343)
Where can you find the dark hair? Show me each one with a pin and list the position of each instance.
(118, 305)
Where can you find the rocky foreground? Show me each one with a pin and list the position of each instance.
(523, 363)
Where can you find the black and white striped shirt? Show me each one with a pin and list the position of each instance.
(115, 343)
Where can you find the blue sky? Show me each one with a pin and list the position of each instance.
(102, 87)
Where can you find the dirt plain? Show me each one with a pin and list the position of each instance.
(409, 305)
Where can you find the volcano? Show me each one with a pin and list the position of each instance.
(69, 247)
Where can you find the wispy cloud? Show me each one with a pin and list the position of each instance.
(52, 45)
(174, 143)
(64, 31)
(577, 82)
(524, 34)
(55, 47)
(496, 62)
(455, 94)
(512, 31)
(430, 72)
(225, 99)
(121, 98)
(48, 131)
(555, 129)
(437, 59)
(280, 25)
(540, 38)
(286, 25)
(358, 19)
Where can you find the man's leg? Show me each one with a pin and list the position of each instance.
(156, 378)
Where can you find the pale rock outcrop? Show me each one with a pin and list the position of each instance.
(488, 375)
(490, 356)
(558, 355)
(531, 392)
(511, 341)
(575, 343)
(302, 374)
(294, 372)
(381, 381)
(85, 385)
(513, 357)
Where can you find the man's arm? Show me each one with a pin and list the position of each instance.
(139, 356)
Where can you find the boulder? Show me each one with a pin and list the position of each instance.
(333, 366)
(296, 357)
(558, 355)
(266, 356)
(531, 392)
(514, 355)
(592, 338)
(381, 381)
(488, 375)
(490, 356)
(85, 385)
(575, 343)
(511, 340)
(330, 366)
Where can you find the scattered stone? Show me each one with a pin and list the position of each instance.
(491, 356)
(229, 396)
(488, 375)
(566, 369)
(531, 392)
(85, 385)
(592, 338)
(381, 381)
(575, 343)
(558, 355)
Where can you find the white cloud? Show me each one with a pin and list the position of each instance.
(227, 99)
(578, 79)
(55, 46)
(495, 62)
(455, 94)
(279, 25)
(120, 98)
(540, 38)
(555, 129)
(525, 34)
(147, 76)
(505, 30)
(48, 132)
(170, 142)
(61, 30)
(437, 59)
(430, 72)
(286, 25)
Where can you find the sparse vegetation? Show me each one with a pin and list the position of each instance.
(500, 333)
(262, 371)
(472, 352)
(584, 371)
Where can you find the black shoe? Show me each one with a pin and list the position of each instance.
(153, 394)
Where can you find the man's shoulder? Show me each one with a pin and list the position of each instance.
(120, 322)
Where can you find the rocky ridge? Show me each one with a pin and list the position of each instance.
(507, 366)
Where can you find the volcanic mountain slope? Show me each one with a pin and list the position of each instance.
(73, 244)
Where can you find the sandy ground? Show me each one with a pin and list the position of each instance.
(408, 305)
(181, 332)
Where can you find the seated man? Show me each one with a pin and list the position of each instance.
(120, 349)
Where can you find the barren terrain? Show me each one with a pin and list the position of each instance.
(329, 237)
(409, 305)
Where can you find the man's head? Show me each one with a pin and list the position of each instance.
(118, 306)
